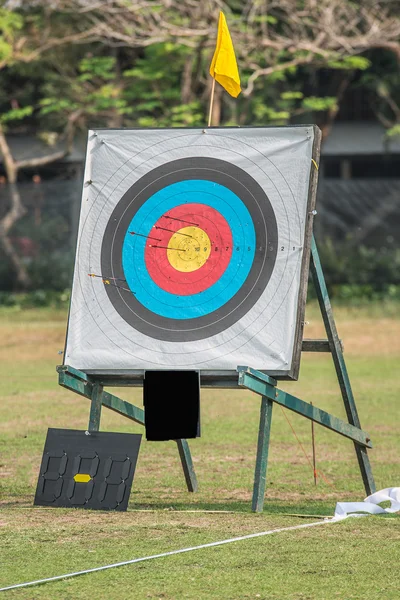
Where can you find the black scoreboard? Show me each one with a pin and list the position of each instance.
(87, 469)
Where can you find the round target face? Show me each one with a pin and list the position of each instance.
(191, 250)
(196, 241)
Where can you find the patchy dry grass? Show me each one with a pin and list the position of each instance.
(349, 560)
(362, 334)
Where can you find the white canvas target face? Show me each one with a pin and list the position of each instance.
(190, 249)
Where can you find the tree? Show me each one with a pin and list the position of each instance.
(276, 41)
(145, 63)
(21, 43)
(273, 39)
(383, 82)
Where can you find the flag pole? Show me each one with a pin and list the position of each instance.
(211, 102)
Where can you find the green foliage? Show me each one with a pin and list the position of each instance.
(145, 74)
(146, 94)
(97, 66)
(280, 109)
(353, 270)
(319, 104)
(36, 299)
(56, 105)
(153, 92)
(10, 23)
(352, 63)
(5, 49)
(382, 83)
(393, 131)
(16, 114)
(266, 114)
(143, 87)
(292, 95)
(266, 19)
(94, 90)
(105, 98)
(183, 115)
(365, 294)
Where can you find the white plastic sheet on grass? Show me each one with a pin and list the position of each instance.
(370, 504)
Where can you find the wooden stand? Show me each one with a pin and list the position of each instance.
(266, 386)
(91, 387)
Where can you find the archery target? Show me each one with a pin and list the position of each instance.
(190, 249)
(196, 248)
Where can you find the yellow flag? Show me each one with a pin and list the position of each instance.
(224, 67)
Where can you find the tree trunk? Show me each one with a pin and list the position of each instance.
(11, 217)
(116, 121)
(326, 126)
(186, 83)
(17, 210)
(22, 278)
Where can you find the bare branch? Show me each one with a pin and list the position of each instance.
(273, 69)
(9, 163)
(41, 161)
(54, 156)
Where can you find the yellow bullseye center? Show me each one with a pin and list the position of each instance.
(188, 249)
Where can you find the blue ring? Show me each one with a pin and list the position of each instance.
(222, 199)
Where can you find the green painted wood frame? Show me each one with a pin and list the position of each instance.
(265, 385)
(336, 350)
(81, 383)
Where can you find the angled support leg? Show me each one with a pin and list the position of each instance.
(340, 366)
(260, 475)
(95, 407)
(265, 386)
(187, 465)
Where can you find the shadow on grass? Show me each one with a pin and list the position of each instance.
(270, 507)
(243, 507)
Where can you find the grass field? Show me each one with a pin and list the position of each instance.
(354, 559)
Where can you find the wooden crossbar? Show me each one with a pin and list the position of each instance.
(255, 381)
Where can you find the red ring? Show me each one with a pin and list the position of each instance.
(183, 283)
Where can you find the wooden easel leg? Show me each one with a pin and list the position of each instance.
(95, 407)
(260, 474)
(187, 465)
(340, 365)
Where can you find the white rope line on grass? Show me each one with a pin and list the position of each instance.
(171, 553)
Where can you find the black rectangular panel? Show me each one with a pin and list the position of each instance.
(83, 470)
(171, 405)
